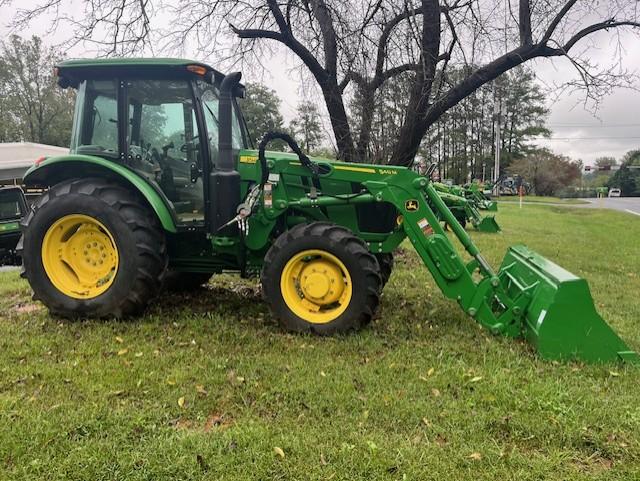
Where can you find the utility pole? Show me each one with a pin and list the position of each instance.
(497, 113)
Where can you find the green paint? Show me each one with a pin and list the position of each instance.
(65, 167)
(467, 202)
(561, 320)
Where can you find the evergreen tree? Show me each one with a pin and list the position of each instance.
(261, 110)
(306, 126)
(627, 178)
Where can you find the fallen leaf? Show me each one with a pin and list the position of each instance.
(426, 422)
(201, 390)
(475, 456)
(279, 452)
(122, 352)
(138, 354)
(430, 372)
(170, 382)
(476, 379)
(181, 402)
(119, 339)
(323, 374)
(234, 379)
(435, 392)
(614, 373)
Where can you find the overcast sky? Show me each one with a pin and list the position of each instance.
(578, 132)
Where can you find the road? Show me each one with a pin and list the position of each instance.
(631, 205)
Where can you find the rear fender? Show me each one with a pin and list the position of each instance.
(57, 169)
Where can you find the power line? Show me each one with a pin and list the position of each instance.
(584, 138)
(592, 126)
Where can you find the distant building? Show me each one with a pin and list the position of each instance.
(17, 157)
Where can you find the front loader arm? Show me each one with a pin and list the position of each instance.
(419, 201)
(529, 296)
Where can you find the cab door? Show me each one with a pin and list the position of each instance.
(164, 143)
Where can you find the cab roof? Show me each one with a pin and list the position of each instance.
(80, 69)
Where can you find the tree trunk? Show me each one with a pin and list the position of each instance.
(339, 121)
(368, 109)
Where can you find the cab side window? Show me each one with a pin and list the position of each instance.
(96, 130)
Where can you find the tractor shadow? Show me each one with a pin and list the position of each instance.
(237, 298)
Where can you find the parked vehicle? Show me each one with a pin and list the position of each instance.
(13, 207)
(614, 192)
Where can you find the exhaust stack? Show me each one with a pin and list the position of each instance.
(224, 180)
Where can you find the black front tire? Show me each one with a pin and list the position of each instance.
(352, 252)
(138, 236)
(386, 263)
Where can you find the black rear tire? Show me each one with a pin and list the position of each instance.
(138, 236)
(340, 243)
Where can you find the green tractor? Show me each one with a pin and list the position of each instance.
(161, 183)
(13, 207)
(465, 208)
(476, 193)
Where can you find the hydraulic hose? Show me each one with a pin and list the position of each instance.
(272, 135)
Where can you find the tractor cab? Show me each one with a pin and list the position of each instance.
(158, 117)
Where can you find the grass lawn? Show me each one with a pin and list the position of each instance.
(206, 386)
(537, 198)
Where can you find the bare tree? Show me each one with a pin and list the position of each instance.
(349, 47)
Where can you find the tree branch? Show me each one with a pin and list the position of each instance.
(330, 44)
(386, 33)
(252, 33)
(607, 24)
(556, 21)
(524, 23)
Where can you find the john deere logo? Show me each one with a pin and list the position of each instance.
(411, 205)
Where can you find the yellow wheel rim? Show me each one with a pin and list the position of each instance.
(80, 256)
(316, 286)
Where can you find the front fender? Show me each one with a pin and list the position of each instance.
(53, 170)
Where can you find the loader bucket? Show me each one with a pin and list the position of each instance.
(560, 320)
(491, 205)
(488, 224)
